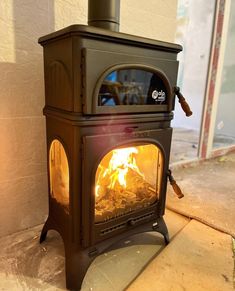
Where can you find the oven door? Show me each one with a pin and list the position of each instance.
(124, 181)
(121, 83)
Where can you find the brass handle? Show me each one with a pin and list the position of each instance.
(182, 101)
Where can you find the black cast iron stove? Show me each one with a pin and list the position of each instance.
(109, 102)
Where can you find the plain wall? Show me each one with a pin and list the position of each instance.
(225, 118)
(194, 33)
(23, 172)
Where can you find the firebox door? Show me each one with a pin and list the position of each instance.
(124, 180)
(128, 178)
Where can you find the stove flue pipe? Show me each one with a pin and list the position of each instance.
(104, 14)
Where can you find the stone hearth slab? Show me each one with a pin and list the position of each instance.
(199, 258)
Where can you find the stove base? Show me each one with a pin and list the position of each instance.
(78, 259)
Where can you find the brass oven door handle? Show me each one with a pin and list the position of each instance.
(183, 102)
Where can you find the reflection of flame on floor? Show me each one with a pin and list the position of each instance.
(120, 186)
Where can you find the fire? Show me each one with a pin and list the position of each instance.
(121, 186)
(114, 175)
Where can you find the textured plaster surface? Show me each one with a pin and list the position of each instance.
(152, 19)
(23, 183)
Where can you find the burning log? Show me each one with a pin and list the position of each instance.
(120, 200)
(137, 184)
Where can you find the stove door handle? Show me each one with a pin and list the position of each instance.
(174, 185)
(183, 102)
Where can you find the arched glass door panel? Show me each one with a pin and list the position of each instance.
(133, 86)
(59, 173)
(127, 179)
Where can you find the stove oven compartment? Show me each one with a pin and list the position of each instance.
(149, 81)
(77, 60)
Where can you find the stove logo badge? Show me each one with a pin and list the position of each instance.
(159, 95)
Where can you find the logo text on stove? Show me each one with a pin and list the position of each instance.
(159, 95)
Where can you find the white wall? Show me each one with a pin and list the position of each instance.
(225, 119)
(194, 31)
(23, 177)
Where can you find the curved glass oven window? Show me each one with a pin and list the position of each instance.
(59, 173)
(127, 179)
(132, 87)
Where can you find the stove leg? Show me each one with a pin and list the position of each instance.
(44, 231)
(160, 226)
(76, 264)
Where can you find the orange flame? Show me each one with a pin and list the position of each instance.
(115, 173)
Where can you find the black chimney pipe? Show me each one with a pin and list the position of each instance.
(104, 14)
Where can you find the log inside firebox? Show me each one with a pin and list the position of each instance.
(119, 200)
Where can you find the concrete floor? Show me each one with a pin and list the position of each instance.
(27, 265)
(209, 192)
(198, 258)
(184, 144)
(221, 140)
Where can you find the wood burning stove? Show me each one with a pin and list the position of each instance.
(109, 102)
